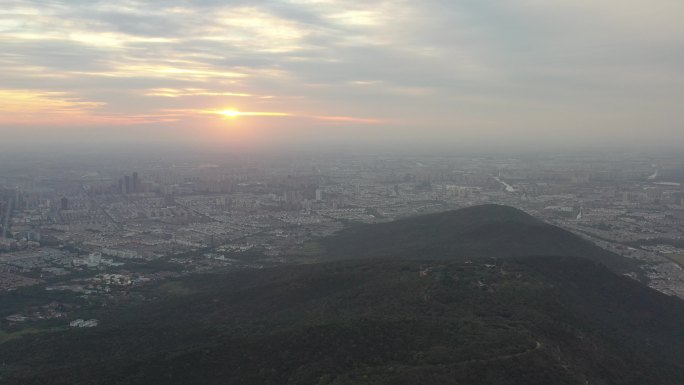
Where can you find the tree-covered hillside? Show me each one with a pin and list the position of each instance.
(486, 295)
(523, 321)
(486, 231)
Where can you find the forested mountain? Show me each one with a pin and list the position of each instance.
(486, 231)
(393, 317)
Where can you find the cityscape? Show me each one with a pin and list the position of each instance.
(338, 192)
(101, 229)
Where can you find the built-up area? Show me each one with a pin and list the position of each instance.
(98, 227)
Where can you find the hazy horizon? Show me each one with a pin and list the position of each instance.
(341, 75)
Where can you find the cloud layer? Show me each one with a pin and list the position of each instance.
(475, 70)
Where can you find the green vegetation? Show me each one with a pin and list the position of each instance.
(450, 302)
(174, 288)
(309, 252)
(18, 300)
(8, 336)
(488, 231)
(311, 249)
(160, 264)
(676, 258)
(527, 321)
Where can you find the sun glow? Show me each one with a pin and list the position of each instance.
(233, 113)
(230, 113)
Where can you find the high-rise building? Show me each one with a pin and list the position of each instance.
(127, 184)
(64, 204)
(136, 183)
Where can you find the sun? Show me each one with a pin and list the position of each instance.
(230, 113)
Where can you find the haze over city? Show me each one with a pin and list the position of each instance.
(337, 192)
(251, 74)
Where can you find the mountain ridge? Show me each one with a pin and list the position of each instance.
(484, 231)
(533, 320)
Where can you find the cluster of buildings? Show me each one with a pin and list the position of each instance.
(256, 211)
(81, 323)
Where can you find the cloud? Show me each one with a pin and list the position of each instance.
(429, 64)
(350, 119)
(183, 92)
(27, 103)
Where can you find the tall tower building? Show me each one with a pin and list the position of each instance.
(127, 184)
(136, 183)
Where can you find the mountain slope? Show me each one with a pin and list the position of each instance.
(528, 321)
(487, 231)
(451, 301)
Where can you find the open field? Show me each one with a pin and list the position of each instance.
(676, 258)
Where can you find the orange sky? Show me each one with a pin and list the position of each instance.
(573, 70)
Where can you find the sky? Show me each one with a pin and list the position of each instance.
(317, 72)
